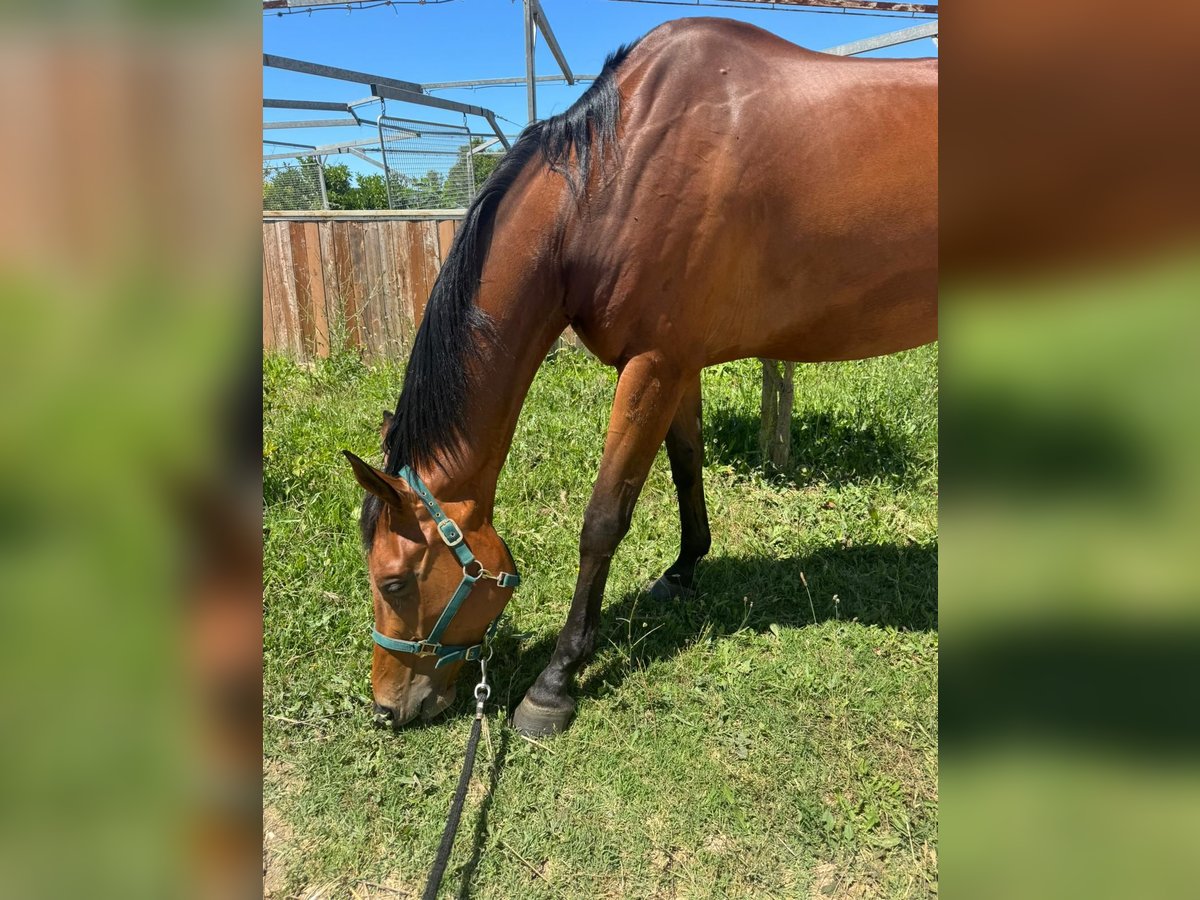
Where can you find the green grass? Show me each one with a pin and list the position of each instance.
(762, 739)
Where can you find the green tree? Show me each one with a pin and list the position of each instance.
(292, 185)
(371, 192)
(457, 191)
(338, 187)
(295, 186)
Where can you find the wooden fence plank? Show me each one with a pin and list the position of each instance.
(296, 238)
(402, 254)
(384, 289)
(387, 290)
(316, 281)
(423, 264)
(268, 325)
(432, 264)
(349, 290)
(291, 306)
(334, 311)
(372, 281)
(445, 229)
(272, 259)
(355, 279)
(399, 309)
(368, 327)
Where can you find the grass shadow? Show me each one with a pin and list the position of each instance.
(1005, 445)
(824, 447)
(889, 585)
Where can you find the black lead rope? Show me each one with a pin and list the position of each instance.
(482, 692)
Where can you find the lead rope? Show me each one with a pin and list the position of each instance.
(482, 692)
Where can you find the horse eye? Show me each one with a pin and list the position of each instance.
(395, 586)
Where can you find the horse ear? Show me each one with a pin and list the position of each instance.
(387, 488)
(384, 428)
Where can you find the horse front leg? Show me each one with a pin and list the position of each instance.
(685, 450)
(648, 394)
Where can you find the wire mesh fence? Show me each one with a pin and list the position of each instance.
(294, 183)
(433, 166)
(417, 165)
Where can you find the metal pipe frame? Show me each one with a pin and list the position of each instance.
(891, 39)
(530, 77)
(326, 149)
(289, 144)
(865, 5)
(499, 82)
(388, 93)
(306, 104)
(270, 156)
(321, 179)
(310, 123)
(308, 68)
(543, 24)
(387, 175)
(365, 158)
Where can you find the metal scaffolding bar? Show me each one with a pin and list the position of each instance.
(389, 93)
(498, 82)
(530, 78)
(903, 36)
(365, 158)
(289, 144)
(308, 68)
(543, 24)
(310, 123)
(329, 149)
(267, 156)
(867, 5)
(305, 104)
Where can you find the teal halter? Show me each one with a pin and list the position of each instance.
(473, 571)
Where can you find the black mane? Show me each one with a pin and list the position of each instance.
(429, 421)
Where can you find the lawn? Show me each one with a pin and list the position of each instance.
(773, 736)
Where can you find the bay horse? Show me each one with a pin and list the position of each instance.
(716, 193)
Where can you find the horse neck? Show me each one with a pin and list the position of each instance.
(524, 300)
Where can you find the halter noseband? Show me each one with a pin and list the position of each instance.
(473, 571)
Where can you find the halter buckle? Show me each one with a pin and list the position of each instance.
(425, 648)
(450, 532)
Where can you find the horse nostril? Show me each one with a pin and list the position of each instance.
(383, 715)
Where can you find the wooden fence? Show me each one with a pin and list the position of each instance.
(359, 279)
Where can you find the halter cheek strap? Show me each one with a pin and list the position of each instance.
(473, 571)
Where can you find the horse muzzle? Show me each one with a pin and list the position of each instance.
(423, 698)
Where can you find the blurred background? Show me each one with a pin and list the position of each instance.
(130, 535)
(1069, 321)
(130, 523)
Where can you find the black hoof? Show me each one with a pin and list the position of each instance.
(536, 721)
(668, 588)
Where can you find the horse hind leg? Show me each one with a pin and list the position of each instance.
(685, 450)
(648, 395)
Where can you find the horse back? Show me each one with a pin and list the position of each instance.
(765, 200)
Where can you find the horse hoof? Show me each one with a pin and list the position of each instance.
(668, 589)
(536, 721)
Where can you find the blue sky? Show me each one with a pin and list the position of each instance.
(484, 39)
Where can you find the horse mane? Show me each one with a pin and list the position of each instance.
(430, 419)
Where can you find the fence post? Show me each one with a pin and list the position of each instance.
(321, 181)
(530, 78)
(470, 163)
(775, 431)
(387, 169)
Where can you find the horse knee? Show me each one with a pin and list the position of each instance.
(603, 530)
